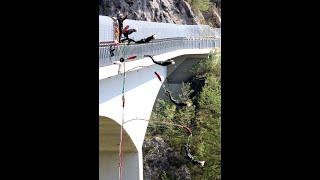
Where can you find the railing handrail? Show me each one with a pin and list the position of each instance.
(108, 43)
(155, 47)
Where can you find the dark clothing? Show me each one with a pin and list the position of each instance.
(181, 104)
(161, 63)
(146, 40)
(128, 32)
(111, 50)
(127, 39)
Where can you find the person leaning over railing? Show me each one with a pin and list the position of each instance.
(126, 32)
(146, 40)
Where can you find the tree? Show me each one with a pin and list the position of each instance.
(207, 127)
(202, 5)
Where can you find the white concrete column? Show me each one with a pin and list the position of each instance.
(140, 156)
(108, 166)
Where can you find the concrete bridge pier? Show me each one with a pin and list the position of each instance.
(141, 90)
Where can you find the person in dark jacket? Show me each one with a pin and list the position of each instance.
(161, 63)
(111, 50)
(146, 40)
(177, 103)
(126, 33)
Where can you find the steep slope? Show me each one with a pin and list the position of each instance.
(169, 11)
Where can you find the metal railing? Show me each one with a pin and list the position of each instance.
(162, 30)
(155, 47)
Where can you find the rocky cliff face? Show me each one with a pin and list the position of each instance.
(169, 11)
(161, 161)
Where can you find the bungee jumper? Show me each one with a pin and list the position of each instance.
(146, 40)
(126, 31)
(168, 93)
(191, 158)
(187, 146)
(161, 63)
(176, 102)
(188, 151)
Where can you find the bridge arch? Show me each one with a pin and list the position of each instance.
(109, 138)
(142, 87)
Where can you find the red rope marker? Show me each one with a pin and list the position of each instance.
(131, 57)
(158, 76)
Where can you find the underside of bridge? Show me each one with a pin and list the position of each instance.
(180, 72)
(109, 137)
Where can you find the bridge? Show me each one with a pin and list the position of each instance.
(185, 44)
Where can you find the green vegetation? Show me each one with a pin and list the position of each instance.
(204, 117)
(202, 5)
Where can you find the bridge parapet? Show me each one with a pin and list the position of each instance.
(162, 30)
(156, 47)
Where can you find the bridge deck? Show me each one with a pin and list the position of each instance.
(172, 37)
(154, 48)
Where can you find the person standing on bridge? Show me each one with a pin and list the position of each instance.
(176, 102)
(121, 18)
(111, 50)
(161, 63)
